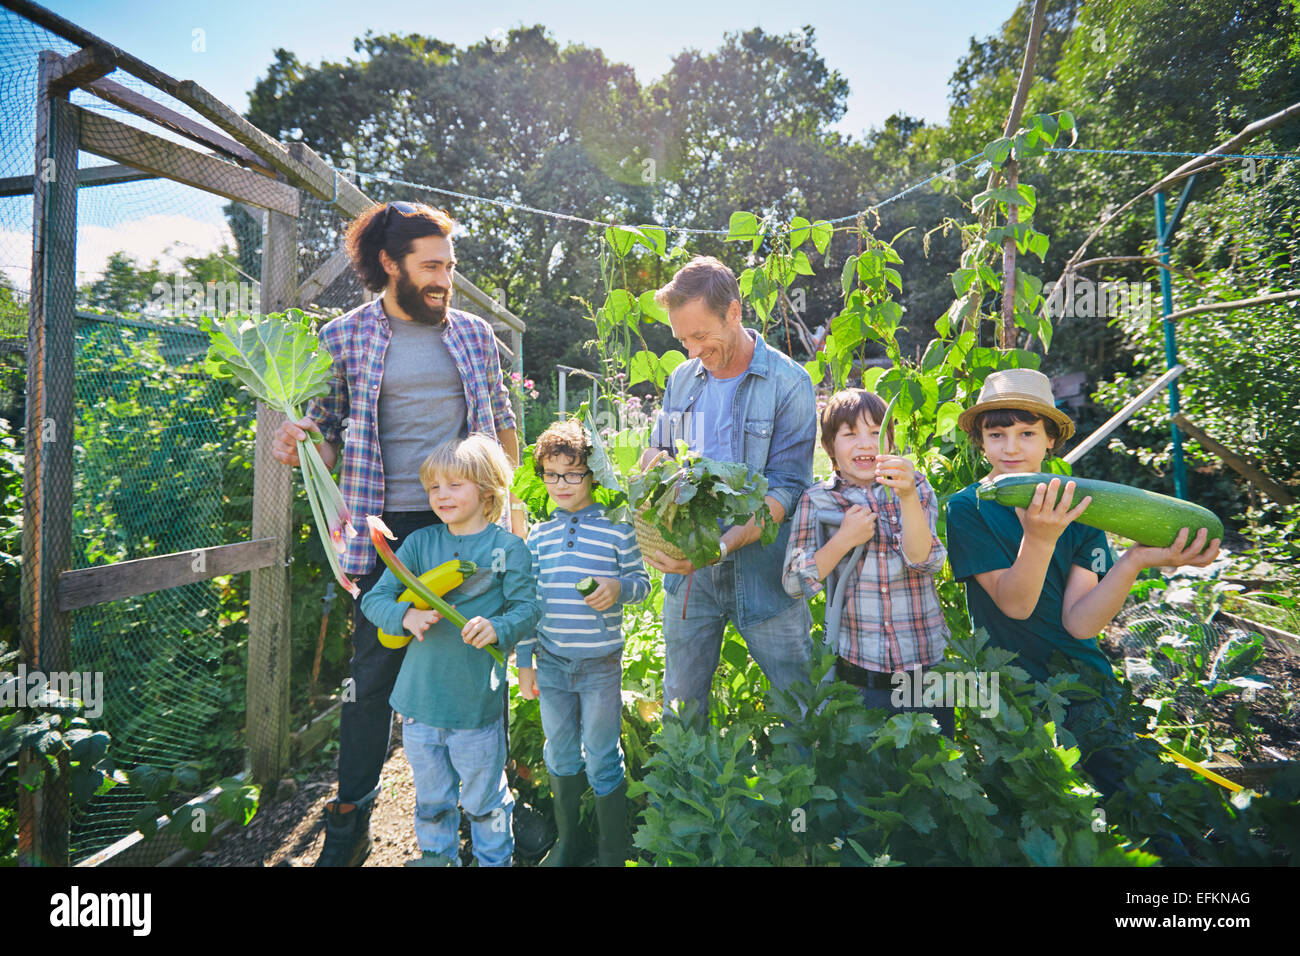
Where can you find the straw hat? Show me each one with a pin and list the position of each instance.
(1021, 388)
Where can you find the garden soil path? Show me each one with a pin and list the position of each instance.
(292, 832)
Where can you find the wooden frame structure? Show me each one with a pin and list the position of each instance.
(241, 163)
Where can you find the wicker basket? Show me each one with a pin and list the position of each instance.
(649, 539)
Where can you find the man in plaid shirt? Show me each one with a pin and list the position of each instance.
(409, 373)
(880, 557)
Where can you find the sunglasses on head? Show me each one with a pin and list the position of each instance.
(403, 207)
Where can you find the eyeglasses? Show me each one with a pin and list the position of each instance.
(405, 208)
(570, 477)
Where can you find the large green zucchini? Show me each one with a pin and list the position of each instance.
(1143, 516)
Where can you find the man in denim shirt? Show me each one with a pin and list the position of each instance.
(737, 399)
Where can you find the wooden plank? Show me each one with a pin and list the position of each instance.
(326, 274)
(1123, 415)
(44, 631)
(111, 582)
(314, 733)
(125, 144)
(142, 106)
(270, 150)
(347, 198)
(86, 176)
(269, 637)
(502, 319)
(191, 94)
(134, 850)
(85, 66)
(1285, 640)
(1252, 474)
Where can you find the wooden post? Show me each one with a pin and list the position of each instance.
(1252, 474)
(268, 729)
(45, 632)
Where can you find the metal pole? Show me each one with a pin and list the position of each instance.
(564, 382)
(1163, 232)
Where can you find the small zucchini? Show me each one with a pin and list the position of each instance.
(1142, 516)
(586, 586)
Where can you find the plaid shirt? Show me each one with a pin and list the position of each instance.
(357, 343)
(890, 618)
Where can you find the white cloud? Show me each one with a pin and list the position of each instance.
(169, 239)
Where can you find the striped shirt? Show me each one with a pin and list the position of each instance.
(357, 342)
(889, 618)
(567, 548)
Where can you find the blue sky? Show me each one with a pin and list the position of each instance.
(896, 56)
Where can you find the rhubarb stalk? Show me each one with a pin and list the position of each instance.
(380, 536)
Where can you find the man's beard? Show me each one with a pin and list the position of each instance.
(412, 301)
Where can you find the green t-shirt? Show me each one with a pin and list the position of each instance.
(445, 682)
(985, 536)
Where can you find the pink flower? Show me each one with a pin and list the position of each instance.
(515, 377)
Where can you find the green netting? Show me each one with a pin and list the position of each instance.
(162, 456)
(155, 441)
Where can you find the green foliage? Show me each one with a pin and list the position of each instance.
(11, 530)
(708, 804)
(193, 822)
(686, 497)
(825, 781)
(55, 742)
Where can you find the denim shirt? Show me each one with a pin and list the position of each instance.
(777, 414)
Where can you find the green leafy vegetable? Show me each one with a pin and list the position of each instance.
(687, 498)
(277, 359)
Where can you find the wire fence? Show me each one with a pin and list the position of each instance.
(162, 454)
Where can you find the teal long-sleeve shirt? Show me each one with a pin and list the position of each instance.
(445, 682)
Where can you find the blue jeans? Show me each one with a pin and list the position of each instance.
(582, 716)
(780, 644)
(471, 765)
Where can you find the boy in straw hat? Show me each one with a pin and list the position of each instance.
(1038, 582)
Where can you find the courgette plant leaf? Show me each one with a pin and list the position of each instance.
(275, 357)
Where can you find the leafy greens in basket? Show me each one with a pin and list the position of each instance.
(687, 497)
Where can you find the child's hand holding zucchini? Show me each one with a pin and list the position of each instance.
(1046, 516)
(600, 594)
(1197, 551)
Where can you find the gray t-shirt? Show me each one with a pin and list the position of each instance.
(421, 404)
(711, 422)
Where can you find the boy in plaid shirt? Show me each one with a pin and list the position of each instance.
(883, 618)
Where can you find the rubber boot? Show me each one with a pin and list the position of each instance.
(568, 793)
(347, 832)
(611, 825)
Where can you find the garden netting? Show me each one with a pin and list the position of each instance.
(162, 453)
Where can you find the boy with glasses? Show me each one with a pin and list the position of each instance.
(576, 656)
